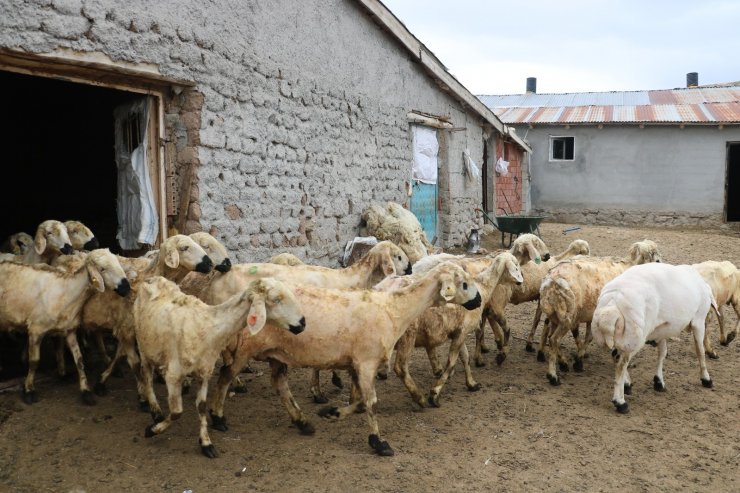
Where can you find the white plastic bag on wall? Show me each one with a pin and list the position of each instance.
(472, 172)
(502, 167)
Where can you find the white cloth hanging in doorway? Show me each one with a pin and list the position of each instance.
(425, 150)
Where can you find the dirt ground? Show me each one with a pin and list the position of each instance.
(517, 433)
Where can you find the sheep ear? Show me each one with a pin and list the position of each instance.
(257, 316)
(388, 267)
(171, 257)
(39, 243)
(533, 255)
(514, 272)
(95, 278)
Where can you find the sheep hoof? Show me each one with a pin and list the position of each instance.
(484, 348)
(240, 389)
(381, 375)
(500, 358)
(149, 431)
(554, 380)
(381, 447)
(713, 355)
(615, 354)
(209, 451)
(730, 338)
(433, 400)
(157, 418)
(305, 427)
(144, 407)
(652, 343)
(628, 388)
(329, 412)
(100, 389)
(87, 398)
(248, 369)
(29, 396)
(578, 365)
(541, 356)
(658, 384)
(479, 363)
(707, 383)
(622, 408)
(474, 388)
(529, 348)
(320, 399)
(337, 381)
(218, 423)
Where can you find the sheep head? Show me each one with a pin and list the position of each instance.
(105, 271)
(456, 286)
(272, 301)
(579, 247)
(183, 251)
(391, 258)
(643, 252)
(80, 236)
(508, 266)
(529, 247)
(52, 235)
(20, 243)
(214, 249)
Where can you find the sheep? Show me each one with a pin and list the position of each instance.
(451, 322)
(285, 259)
(534, 274)
(724, 280)
(394, 224)
(337, 335)
(50, 241)
(80, 236)
(17, 244)
(178, 255)
(182, 336)
(651, 302)
(568, 297)
(42, 299)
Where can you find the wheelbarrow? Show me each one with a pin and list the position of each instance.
(514, 224)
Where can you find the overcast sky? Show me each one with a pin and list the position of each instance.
(578, 45)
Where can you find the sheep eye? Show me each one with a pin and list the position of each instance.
(184, 249)
(277, 301)
(399, 257)
(465, 286)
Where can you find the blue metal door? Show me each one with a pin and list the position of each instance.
(424, 207)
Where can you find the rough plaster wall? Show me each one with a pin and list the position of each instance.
(303, 122)
(627, 175)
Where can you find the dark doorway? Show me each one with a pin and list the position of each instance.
(733, 182)
(484, 177)
(58, 139)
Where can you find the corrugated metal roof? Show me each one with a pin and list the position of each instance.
(700, 105)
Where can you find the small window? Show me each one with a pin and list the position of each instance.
(561, 148)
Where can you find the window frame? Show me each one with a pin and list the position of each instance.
(551, 158)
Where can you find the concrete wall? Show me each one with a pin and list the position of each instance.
(628, 175)
(303, 120)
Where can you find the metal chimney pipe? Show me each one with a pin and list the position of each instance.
(692, 79)
(531, 85)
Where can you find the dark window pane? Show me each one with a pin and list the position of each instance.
(569, 144)
(557, 148)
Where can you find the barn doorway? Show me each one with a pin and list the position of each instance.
(59, 142)
(732, 197)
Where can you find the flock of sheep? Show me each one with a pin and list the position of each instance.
(180, 309)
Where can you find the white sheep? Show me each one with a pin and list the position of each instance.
(651, 302)
(41, 299)
(568, 297)
(437, 325)
(182, 336)
(354, 330)
(17, 244)
(80, 236)
(724, 280)
(178, 256)
(285, 259)
(394, 224)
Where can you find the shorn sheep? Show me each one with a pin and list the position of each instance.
(80, 236)
(354, 330)
(724, 280)
(437, 325)
(651, 302)
(182, 336)
(178, 255)
(568, 297)
(43, 299)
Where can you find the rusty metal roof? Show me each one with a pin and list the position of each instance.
(698, 105)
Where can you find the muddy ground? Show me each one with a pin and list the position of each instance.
(517, 433)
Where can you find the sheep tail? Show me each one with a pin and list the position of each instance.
(558, 301)
(608, 326)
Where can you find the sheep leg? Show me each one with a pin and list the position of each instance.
(366, 384)
(697, 331)
(404, 347)
(658, 381)
(174, 402)
(318, 396)
(99, 388)
(279, 379)
(87, 396)
(530, 338)
(477, 356)
(547, 329)
(356, 405)
(434, 361)
(727, 339)
(147, 381)
(225, 377)
(620, 377)
(206, 446)
(557, 334)
(100, 344)
(470, 382)
(455, 345)
(708, 349)
(59, 344)
(502, 337)
(581, 345)
(34, 355)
